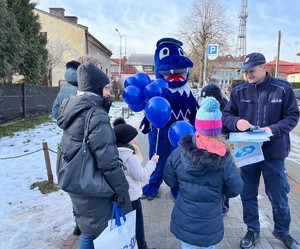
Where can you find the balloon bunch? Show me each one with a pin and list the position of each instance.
(140, 93)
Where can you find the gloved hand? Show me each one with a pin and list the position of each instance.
(120, 201)
(146, 125)
(123, 201)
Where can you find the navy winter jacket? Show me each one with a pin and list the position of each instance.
(203, 178)
(270, 103)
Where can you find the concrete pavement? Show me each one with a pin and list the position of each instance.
(157, 215)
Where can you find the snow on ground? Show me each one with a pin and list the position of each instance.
(30, 219)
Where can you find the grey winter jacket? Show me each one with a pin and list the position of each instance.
(92, 214)
(203, 178)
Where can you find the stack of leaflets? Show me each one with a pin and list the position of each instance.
(246, 146)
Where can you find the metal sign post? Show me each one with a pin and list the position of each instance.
(211, 53)
(204, 69)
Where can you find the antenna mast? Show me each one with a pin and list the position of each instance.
(241, 41)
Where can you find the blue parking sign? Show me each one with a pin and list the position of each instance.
(212, 51)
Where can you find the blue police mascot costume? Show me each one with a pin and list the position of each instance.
(172, 65)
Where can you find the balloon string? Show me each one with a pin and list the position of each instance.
(157, 135)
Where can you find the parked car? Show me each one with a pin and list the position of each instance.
(297, 94)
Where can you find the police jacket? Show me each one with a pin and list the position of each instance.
(270, 103)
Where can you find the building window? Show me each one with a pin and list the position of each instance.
(148, 68)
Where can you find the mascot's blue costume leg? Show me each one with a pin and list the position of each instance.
(164, 149)
(172, 65)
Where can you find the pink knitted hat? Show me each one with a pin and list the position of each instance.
(208, 118)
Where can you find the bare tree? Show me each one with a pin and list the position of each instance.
(56, 50)
(207, 22)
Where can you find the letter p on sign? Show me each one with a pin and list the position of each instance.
(212, 51)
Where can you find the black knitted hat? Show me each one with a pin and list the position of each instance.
(124, 132)
(72, 64)
(211, 90)
(91, 78)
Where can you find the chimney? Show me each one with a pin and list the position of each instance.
(72, 19)
(58, 12)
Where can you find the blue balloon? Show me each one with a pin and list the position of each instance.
(129, 81)
(133, 95)
(152, 90)
(163, 84)
(178, 130)
(138, 108)
(158, 111)
(141, 80)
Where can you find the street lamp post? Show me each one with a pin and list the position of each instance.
(125, 47)
(120, 60)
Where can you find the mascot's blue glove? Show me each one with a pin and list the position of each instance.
(146, 125)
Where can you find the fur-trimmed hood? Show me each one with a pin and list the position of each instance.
(194, 158)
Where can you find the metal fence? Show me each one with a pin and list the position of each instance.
(19, 101)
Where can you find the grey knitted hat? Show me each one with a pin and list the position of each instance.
(91, 78)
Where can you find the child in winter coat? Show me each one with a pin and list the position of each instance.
(134, 171)
(203, 169)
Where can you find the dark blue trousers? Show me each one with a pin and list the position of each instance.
(139, 229)
(276, 187)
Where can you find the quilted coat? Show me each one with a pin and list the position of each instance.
(93, 213)
(202, 178)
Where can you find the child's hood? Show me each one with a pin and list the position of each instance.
(194, 159)
(125, 153)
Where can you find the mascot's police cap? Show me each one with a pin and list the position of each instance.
(168, 40)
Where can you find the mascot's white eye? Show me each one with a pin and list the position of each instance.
(163, 53)
(181, 52)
